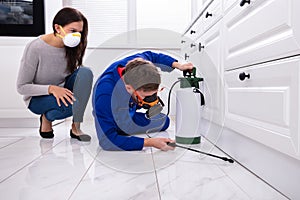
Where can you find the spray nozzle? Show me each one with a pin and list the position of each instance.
(189, 79)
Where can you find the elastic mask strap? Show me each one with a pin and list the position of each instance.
(59, 35)
(139, 99)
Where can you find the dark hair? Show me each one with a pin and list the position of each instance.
(141, 62)
(74, 55)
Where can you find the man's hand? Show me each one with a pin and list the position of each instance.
(159, 143)
(61, 94)
(182, 67)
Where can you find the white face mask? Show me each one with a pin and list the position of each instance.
(70, 39)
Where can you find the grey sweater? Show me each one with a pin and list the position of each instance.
(41, 65)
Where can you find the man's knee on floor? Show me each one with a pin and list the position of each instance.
(166, 125)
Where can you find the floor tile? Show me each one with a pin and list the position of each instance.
(54, 175)
(17, 155)
(6, 141)
(195, 180)
(65, 168)
(252, 185)
(119, 175)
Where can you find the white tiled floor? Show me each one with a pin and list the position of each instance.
(63, 168)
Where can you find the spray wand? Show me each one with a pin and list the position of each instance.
(208, 154)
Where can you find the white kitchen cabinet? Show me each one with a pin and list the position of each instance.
(207, 60)
(257, 41)
(265, 105)
(227, 5)
(212, 14)
(260, 31)
(188, 45)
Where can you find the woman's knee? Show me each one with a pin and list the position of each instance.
(86, 72)
(62, 112)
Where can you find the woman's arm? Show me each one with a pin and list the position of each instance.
(27, 71)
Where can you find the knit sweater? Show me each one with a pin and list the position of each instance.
(111, 101)
(41, 65)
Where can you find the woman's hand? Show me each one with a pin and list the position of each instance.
(182, 67)
(61, 94)
(159, 143)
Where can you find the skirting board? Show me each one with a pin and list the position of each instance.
(23, 122)
(277, 169)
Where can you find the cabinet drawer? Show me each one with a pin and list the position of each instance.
(265, 106)
(194, 32)
(227, 5)
(212, 14)
(207, 59)
(260, 31)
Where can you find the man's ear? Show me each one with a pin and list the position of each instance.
(129, 89)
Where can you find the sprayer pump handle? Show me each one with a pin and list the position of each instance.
(190, 72)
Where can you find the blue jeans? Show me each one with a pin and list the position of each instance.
(80, 83)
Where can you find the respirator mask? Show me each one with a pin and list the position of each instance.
(70, 39)
(152, 104)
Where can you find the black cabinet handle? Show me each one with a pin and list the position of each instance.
(208, 15)
(200, 46)
(192, 31)
(186, 56)
(192, 45)
(182, 41)
(243, 76)
(243, 2)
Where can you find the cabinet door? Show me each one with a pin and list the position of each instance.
(207, 61)
(188, 39)
(196, 29)
(260, 31)
(265, 105)
(212, 14)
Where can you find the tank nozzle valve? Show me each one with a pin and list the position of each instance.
(189, 79)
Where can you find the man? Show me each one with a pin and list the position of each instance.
(121, 91)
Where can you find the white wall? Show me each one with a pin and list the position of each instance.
(12, 107)
(13, 112)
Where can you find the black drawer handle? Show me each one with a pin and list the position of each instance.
(200, 46)
(243, 76)
(192, 31)
(208, 15)
(182, 41)
(243, 2)
(192, 45)
(186, 56)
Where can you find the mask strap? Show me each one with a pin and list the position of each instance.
(59, 35)
(139, 99)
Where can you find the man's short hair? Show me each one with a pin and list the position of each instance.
(142, 75)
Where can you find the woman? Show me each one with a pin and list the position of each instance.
(51, 78)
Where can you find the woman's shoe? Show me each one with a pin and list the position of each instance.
(45, 134)
(82, 137)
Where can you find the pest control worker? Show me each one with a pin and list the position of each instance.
(122, 90)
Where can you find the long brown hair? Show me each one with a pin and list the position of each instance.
(74, 55)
